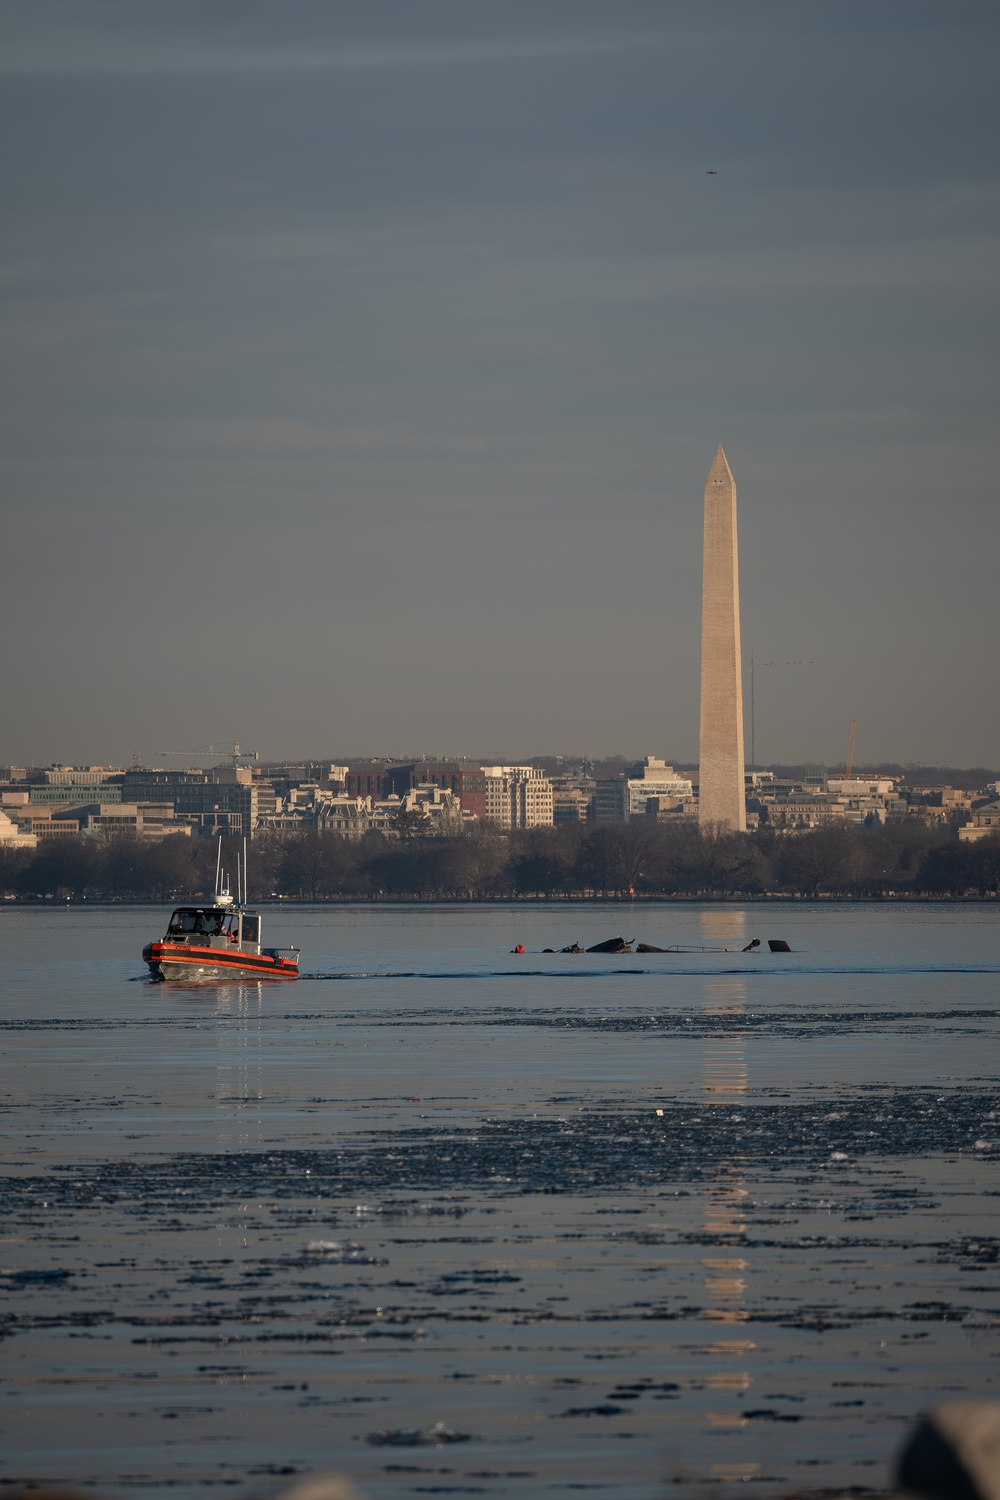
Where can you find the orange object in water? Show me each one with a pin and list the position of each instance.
(519, 948)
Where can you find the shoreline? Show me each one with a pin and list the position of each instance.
(275, 903)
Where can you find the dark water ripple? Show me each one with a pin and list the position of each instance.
(580, 1154)
(800, 1022)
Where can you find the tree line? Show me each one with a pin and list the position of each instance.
(641, 858)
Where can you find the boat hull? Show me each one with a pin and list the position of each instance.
(184, 961)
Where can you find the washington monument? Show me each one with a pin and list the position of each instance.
(721, 797)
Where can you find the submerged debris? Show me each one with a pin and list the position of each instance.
(417, 1437)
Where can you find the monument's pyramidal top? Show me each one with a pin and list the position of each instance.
(720, 472)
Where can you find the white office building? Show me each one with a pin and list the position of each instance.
(657, 780)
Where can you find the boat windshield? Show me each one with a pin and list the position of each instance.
(193, 919)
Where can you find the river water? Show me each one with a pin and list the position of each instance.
(457, 1221)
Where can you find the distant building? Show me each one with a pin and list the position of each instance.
(937, 804)
(66, 794)
(758, 781)
(800, 811)
(150, 820)
(466, 780)
(76, 775)
(518, 797)
(861, 786)
(814, 777)
(610, 799)
(985, 824)
(572, 794)
(673, 809)
(438, 806)
(368, 778)
(352, 817)
(570, 804)
(655, 780)
(378, 779)
(40, 822)
(224, 800)
(13, 836)
(648, 789)
(308, 770)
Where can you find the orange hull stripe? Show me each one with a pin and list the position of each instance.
(167, 953)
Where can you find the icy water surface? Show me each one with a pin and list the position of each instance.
(461, 1222)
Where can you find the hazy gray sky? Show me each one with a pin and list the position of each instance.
(364, 362)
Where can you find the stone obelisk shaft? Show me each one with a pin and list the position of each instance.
(721, 798)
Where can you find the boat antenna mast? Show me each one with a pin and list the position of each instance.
(221, 897)
(241, 878)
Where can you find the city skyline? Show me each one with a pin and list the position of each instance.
(361, 365)
(554, 764)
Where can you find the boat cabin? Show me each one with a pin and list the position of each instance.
(215, 927)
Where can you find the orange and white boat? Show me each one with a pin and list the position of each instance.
(220, 939)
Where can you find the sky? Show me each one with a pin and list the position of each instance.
(363, 364)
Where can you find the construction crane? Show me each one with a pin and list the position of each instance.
(850, 749)
(236, 753)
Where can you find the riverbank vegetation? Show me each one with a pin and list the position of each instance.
(638, 859)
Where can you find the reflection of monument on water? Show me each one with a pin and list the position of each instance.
(725, 1265)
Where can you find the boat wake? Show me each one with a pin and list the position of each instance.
(747, 971)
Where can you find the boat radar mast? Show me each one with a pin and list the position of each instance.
(221, 895)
